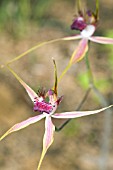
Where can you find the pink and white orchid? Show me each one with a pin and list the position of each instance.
(86, 23)
(46, 104)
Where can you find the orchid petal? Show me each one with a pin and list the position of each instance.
(80, 51)
(97, 9)
(78, 54)
(23, 124)
(33, 48)
(56, 79)
(30, 92)
(42, 44)
(101, 40)
(48, 138)
(74, 37)
(75, 114)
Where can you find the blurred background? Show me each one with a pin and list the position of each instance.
(85, 143)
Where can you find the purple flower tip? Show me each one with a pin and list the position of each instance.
(78, 24)
(50, 92)
(89, 13)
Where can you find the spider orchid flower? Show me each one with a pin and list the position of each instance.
(86, 23)
(46, 104)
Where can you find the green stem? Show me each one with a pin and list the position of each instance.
(107, 120)
(89, 72)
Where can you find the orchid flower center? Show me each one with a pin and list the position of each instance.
(88, 31)
(42, 106)
(85, 22)
(47, 103)
(78, 24)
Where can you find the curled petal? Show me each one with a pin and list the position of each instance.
(80, 51)
(23, 124)
(101, 40)
(67, 115)
(48, 138)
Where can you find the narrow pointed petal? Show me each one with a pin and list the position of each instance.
(80, 51)
(78, 54)
(23, 124)
(67, 115)
(42, 44)
(97, 10)
(56, 79)
(64, 72)
(48, 138)
(30, 92)
(101, 40)
(74, 37)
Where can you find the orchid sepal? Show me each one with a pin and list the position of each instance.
(101, 40)
(80, 51)
(23, 124)
(77, 55)
(76, 114)
(74, 37)
(30, 92)
(48, 138)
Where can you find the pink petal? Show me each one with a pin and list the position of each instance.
(80, 51)
(101, 40)
(23, 124)
(67, 115)
(30, 92)
(48, 138)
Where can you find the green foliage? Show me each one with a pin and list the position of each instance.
(101, 83)
(16, 16)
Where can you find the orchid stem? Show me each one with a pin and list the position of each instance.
(101, 98)
(89, 72)
(107, 120)
(57, 129)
